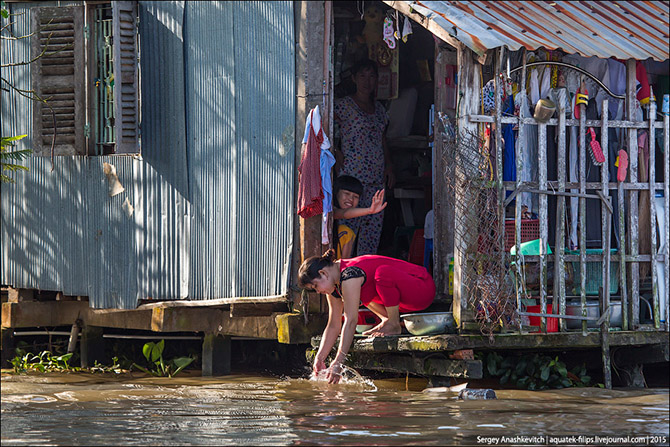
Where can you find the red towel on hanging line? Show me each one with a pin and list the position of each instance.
(310, 193)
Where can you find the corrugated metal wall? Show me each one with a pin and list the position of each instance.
(212, 191)
(239, 61)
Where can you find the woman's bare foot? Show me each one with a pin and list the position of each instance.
(371, 330)
(384, 329)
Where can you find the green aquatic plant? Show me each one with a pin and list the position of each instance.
(153, 352)
(535, 372)
(46, 361)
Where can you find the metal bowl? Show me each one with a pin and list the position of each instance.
(429, 323)
(592, 311)
(360, 328)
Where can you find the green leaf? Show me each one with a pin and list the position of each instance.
(505, 377)
(562, 370)
(544, 374)
(5, 14)
(11, 139)
(491, 365)
(146, 350)
(585, 379)
(182, 362)
(64, 357)
(157, 350)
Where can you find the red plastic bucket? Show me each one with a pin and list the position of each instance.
(552, 323)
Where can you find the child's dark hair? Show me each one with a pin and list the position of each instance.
(349, 183)
(309, 270)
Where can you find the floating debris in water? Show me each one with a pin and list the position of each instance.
(478, 394)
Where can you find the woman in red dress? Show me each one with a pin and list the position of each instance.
(386, 286)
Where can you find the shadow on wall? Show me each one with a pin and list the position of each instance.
(239, 65)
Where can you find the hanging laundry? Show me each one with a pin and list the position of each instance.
(529, 152)
(388, 33)
(644, 94)
(326, 163)
(406, 29)
(534, 87)
(509, 155)
(310, 192)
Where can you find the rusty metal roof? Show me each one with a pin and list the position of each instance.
(623, 29)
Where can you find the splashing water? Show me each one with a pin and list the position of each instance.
(349, 377)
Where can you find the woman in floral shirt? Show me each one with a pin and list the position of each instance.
(364, 154)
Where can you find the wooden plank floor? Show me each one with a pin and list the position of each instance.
(452, 342)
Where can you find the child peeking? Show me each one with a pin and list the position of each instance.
(347, 192)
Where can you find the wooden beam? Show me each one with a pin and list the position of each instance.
(470, 369)
(291, 328)
(219, 302)
(117, 318)
(242, 309)
(20, 295)
(42, 313)
(631, 355)
(449, 342)
(216, 321)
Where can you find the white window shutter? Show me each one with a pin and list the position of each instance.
(124, 16)
(58, 76)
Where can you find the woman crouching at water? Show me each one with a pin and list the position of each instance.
(384, 285)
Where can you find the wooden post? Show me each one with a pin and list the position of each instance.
(666, 232)
(544, 224)
(559, 256)
(652, 212)
(309, 19)
(499, 156)
(92, 346)
(7, 347)
(74, 335)
(633, 209)
(469, 87)
(443, 208)
(582, 209)
(606, 224)
(216, 355)
(519, 168)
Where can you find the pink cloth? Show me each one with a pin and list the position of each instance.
(392, 282)
(310, 193)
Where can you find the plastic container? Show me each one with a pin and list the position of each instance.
(552, 323)
(594, 273)
(530, 229)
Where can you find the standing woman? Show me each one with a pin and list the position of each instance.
(386, 286)
(364, 154)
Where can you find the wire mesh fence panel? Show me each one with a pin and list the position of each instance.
(486, 277)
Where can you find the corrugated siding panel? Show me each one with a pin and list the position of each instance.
(623, 29)
(240, 125)
(61, 231)
(164, 225)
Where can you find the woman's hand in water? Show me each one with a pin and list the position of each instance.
(334, 372)
(319, 365)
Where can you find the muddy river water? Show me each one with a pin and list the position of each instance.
(86, 409)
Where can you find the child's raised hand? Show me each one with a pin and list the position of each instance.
(378, 203)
